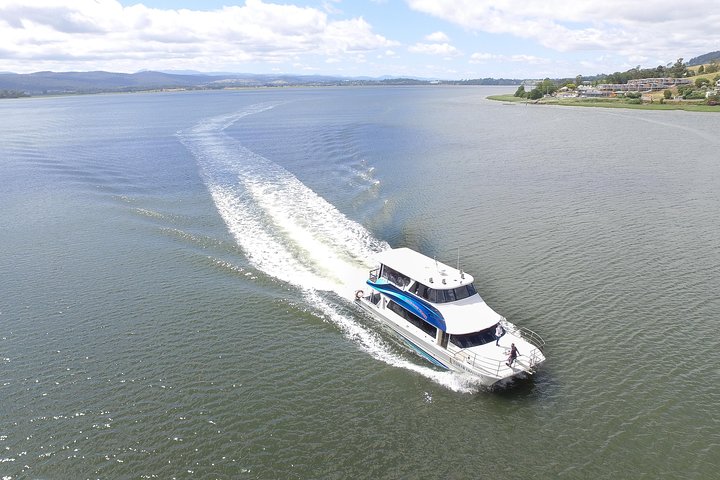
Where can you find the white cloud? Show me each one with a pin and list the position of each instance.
(442, 49)
(481, 57)
(104, 34)
(638, 59)
(651, 28)
(329, 6)
(438, 37)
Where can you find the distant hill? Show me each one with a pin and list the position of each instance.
(702, 59)
(49, 83)
(90, 82)
(42, 83)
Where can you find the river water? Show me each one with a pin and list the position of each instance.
(175, 269)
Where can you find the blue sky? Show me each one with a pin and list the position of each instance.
(444, 39)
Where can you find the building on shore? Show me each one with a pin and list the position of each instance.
(643, 85)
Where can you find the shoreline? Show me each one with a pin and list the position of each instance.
(606, 103)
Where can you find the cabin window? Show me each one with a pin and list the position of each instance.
(443, 296)
(474, 339)
(393, 276)
(420, 290)
(412, 318)
(464, 291)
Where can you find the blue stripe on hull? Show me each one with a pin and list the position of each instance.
(425, 355)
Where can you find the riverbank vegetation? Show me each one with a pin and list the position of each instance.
(697, 106)
(12, 94)
(699, 89)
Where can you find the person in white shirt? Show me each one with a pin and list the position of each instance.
(499, 332)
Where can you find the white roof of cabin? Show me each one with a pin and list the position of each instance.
(424, 269)
(468, 315)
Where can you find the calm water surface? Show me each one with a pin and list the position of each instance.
(174, 272)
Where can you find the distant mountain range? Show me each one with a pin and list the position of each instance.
(91, 82)
(702, 59)
(48, 83)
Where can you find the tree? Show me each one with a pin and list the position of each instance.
(685, 90)
(702, 82)
(689, 93)
(678, 69)
(12, 94)
(701, 69)
(520, 92)
(667, 94)
(547, 87)
(535, 93)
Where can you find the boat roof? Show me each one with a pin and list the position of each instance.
(423, 269)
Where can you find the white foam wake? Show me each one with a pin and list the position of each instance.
(289, 232)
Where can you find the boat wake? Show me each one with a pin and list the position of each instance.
(289, 232)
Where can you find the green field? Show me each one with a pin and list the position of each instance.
(608, 103)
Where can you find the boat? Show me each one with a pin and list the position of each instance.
(436, 310)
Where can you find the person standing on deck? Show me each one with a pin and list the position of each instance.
(513, 355)
(499, 332)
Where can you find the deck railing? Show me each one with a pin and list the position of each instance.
(373, 275)
(492, 366)
(484, 364)
(526, 334)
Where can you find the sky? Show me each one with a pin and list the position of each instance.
(433, 39)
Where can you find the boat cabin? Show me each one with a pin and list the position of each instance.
(439, 300)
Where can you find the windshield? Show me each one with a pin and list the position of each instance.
(474, 339)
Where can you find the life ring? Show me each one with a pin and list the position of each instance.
(359, 294)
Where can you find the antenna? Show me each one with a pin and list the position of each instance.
(462, 274)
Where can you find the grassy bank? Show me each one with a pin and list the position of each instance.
(608, 103)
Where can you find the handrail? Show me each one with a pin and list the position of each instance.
(494, 366)
(491, 366)
(373, 275)
(525, 333)
(476, 361)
